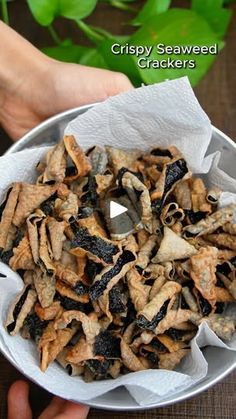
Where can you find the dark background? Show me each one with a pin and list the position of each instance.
(217, 95)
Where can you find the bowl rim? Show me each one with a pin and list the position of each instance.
(97, 404)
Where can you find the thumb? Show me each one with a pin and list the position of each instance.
(18, 401)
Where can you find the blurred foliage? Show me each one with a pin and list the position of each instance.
(205, 22)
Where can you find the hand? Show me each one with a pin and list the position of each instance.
(19, 407)
(34, 87)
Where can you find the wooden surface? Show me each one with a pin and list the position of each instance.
(217, 95)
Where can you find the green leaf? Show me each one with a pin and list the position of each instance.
(67, 53)
(44, 11)
(76, 9)
(176, 27)
(215, 14)
(121, 63)
(151, 7)
(93, 58)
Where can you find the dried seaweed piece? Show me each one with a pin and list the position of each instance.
(107, 345)
(130, 360)
(57, 237)
(169, 361)
(98, 248)
(145, 253)
(134, 186)
(101, 282)
(35, 326)
(90, 324)
(199, 195)
(78, 157)
(161, 155)
(139, 292)
(223, 240)
(117, 301)
(213, 195)
(211, 223)
(203, 268)
(193, 217)
(31, 197)
(22, 257)
(68, 292)
(172, 173)
(19, 310)
(99, 368)
(69, 304)
(171, 344)
(173, 247)
(8, 210)
(55, 164)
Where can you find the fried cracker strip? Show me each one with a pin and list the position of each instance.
(118, 158)
(211, 223)
(81, 352)
(67, 208)
(229, 228)
(161, 155)
(48, 313)
(72, 369)
(32, 224)
(213, 195)
(45, 249)
(158, 284)
(8, 213)
(80, 160)
(56, 233)
(139, 292)
(223, 326)
(223, 240)
(170, 344)
(45, 287)
(173, 247)
(55, 164)
(22, 257)
(174, 318)
(169, 361)
(130, 360)
(90, 324)
(198, 196)
(153, 307)
(183, 195)
(66, 291)
(144, 255)
(30, 198)
(203, 268)
(190, 300)
(19, 310)
(66, 275)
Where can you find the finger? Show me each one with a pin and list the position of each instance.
(73, 411)
(55, 407)
(18, 401)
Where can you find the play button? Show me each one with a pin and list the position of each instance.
(116, 209)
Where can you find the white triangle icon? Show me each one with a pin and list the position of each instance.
(116, 209)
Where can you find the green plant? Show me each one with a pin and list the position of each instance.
(205, 22)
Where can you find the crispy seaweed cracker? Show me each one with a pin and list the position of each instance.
(97, 248)
(68, 207)
(66, 275)
(72, 368)
(33, 222)
(98, 158)
(199, 196)
(161, 155)
(31, 197)
(82, 351)
(211, 223)
(182, 193)
(172, 173)
(90, 323)
(229, 228)
(45, 287)
(213, 195)
(22, 256)
(45, 252)
(145, 253)
(134, 186)
(169, 361)
(171, 213)
(56, 234)
(223, 326)
(225, 240)
(129, 359)
(55, 169)
(109, 276)
(202, 271)
(48, 313)
(139, 292)
(78, 157)
(19, 310)
(66, 291)
(173, 247)
(175, 318)
(155, 310)
(118, 158)
(8, 213)
(157, 285)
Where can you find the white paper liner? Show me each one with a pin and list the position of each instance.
(162, 114)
